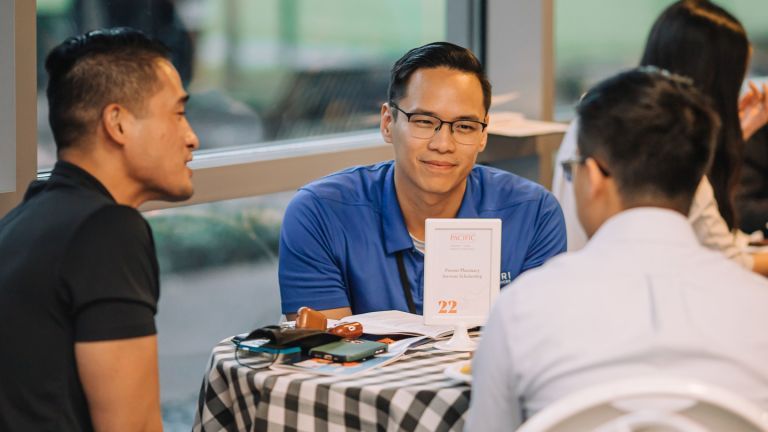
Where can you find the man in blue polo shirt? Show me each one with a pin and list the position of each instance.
(353, 242)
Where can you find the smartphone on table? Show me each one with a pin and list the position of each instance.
(348, 350)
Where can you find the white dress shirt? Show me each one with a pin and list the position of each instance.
(709, 226)
(643, 297)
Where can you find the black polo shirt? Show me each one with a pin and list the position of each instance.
(75, 266)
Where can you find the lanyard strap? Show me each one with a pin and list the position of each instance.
(404, 282)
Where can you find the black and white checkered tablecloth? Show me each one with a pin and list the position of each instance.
(411, 394)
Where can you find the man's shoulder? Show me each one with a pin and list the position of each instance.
(112, 230)
(358, 185)
(587, 267)
(65, 197)
(112, 237)
(115, 217)
(716, 270)
(566, 266)
(560, 275)
(50, 213)
(502, 189)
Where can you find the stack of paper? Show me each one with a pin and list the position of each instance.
(395, 322)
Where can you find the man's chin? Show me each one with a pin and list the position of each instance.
(445, 192)
(181, 194)
(438, 187)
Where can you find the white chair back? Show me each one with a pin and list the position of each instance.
(650, 405)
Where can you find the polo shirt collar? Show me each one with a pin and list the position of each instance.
(469, 203)
(65, 172)
(395, 233)
(396, 237)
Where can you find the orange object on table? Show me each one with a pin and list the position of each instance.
(308, 318)
(351, 330)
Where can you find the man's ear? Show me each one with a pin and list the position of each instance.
(484, 142)
(386, 122)
(598, 183)
(116, 119)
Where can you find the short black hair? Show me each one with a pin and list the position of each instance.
(90, 71)
(654, 132)
(436, 55)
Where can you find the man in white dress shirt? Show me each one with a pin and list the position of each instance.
(643, 297)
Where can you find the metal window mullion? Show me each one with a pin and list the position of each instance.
(18, 94)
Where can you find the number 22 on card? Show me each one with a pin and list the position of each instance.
(447, 306)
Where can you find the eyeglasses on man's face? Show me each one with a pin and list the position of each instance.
(425, 126)
(569, 164)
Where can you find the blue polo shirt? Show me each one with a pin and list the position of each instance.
(341, 235)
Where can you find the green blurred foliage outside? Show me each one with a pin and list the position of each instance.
(196, 241)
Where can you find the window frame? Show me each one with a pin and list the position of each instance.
(18, 112)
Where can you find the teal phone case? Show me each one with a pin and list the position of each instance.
(347, 350)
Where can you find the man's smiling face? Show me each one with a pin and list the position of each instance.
(438, 165)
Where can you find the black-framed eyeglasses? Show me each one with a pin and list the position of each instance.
(568, 165)
(253, 360)
(425, 126)
(246, 357)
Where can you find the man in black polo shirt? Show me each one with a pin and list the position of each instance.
(79, 278)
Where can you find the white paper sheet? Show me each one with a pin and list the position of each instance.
(395, 322)
(514, 124)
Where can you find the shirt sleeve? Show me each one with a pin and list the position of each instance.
(562, 189)
(110, 276)
(549, 238)
(710, 227)
(310, 270)
(495, 405)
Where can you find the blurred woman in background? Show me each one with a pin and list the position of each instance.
(700, 40)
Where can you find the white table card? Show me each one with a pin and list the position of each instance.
(461, 270)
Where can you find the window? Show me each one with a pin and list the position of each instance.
(260, 72)
(7, 101)
(595, 39)
(218, 270)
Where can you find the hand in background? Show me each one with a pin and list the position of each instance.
(753, 110)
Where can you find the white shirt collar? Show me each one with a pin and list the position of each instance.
(645, 225)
